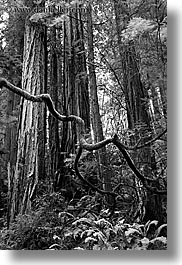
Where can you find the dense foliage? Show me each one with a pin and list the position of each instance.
(58, 225)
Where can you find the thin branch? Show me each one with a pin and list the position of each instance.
(135, 147)
(113, 194)
(111, 68)
(141, 177)
(152, 141)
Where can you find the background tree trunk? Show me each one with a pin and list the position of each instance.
(54, 139)
(137, 112)
(96, 123)
(75, 95)
(11, 58)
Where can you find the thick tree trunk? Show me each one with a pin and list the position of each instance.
(31, 134)
(11, 129)
(75, 95)
(54, 142)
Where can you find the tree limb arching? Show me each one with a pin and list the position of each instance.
(137, 146)
(113, 194)
(42, 98)
(141, 177)
(82, 142)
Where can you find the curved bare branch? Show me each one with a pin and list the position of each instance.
(113, 194)
(141, 177)
(83, 144)
(42, 98)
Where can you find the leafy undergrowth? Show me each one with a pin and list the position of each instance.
(55, 225)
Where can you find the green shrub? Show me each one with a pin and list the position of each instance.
(56, 226)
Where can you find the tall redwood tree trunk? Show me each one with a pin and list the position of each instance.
(54, 141)
(74, 87)
(31, 134)
(137, 110)
(96, 123)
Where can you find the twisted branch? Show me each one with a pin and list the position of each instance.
(141, 177)
(113, 194)
(137, 146)
(82, 142)
(42, 98)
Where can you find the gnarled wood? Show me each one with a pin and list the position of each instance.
(83, 143)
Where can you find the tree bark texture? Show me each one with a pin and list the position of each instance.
(54, 139)
(75, 81)
(75, 94)
(31, 134)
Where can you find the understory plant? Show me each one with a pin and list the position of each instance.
(53, 225)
